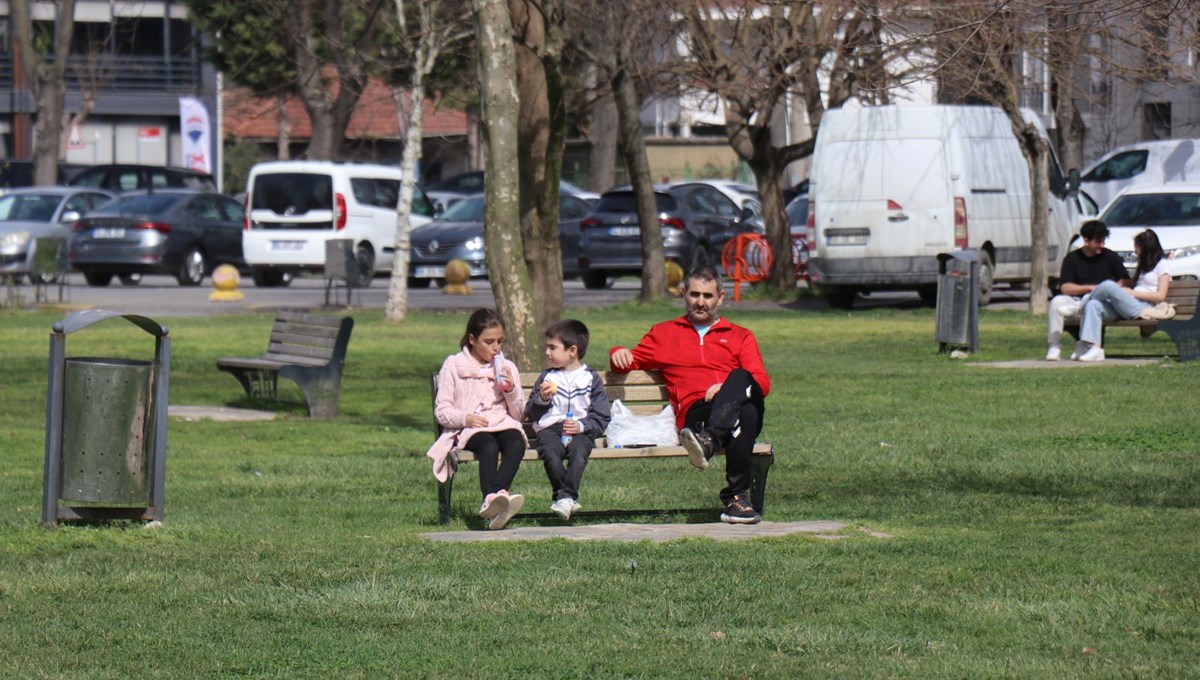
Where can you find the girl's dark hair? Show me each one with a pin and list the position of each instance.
(480, 321)
(1150, 256)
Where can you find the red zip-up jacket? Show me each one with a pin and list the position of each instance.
(690, 365)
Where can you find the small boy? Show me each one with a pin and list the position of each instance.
(569, 410)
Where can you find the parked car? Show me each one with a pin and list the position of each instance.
(458, 234)
(451, 190)
(127, 177)
(39, 212)
(294, 207)
(1172, 211)
(797, 215)
(1149, 163)
(183, 232)
(697, 220)
(19, 174)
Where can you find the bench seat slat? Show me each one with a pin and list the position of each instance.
(287, 349)
(465, 456)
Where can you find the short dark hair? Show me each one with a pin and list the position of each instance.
(704, 273)
(481, 320)
(1094, 230)
(572, 333)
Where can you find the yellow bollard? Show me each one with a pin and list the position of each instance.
(225, 282)
(674, 278)
(457, 275)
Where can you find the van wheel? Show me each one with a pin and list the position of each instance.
(414, 282)
(594, 280)
(840, 297)
(269, 279)
(366, 265)
(987, 282)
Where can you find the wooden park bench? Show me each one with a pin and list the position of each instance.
(309, 350)
(645, 394)
(1183, 329)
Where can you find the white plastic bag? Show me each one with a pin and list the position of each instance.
(626, 429)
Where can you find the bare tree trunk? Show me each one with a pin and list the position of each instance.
(633, 152)
(47, 79)
(283, 141)
(502, 214)
(328, 111)
(602, 133)
(539, 227)
(396, 308)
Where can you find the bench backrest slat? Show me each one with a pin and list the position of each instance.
(300, 350)
(297, 334)
(1183, 295)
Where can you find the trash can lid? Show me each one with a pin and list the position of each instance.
(79, 320)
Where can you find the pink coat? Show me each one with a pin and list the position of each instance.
(464, 387)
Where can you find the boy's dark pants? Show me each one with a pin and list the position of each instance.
(564, 481)
(734, 418)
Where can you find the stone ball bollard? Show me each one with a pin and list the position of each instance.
(674, 278)
(457, 275)
(225, 279)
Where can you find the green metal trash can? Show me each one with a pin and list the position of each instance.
(107, 405)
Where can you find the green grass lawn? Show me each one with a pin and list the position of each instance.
(1043, 523)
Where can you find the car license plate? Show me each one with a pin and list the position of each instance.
(108, 232)
(287, 245)
(430, 272)
(847, 237)
(623, 231)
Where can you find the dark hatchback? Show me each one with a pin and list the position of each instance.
(697, 221)
(181, 232)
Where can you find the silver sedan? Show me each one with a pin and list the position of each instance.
(29, 215)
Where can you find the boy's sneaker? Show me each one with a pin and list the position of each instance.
(493, 504)
(739, 511)
(700, 446)
(1054, 353)
(575, 507)
(562, 507)
(512, 505)
(1096, 353)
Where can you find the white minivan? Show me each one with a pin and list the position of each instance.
(892, 187)
(294, 207)
(1172, 160)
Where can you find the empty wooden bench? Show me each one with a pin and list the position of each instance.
(645, 394)
(309, 350)
(1183, 329)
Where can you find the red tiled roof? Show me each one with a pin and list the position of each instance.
(377, 116)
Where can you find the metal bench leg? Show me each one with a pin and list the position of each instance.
(758, 479)
(444, 489)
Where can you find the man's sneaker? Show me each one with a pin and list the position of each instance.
(1096, 353)
(1080, 348)
(1054, 353)
(700, 446)
(493, 504)
(739, 511)
(562, 507)
(514, 503)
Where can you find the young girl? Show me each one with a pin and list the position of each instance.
(1110, 301)
(479, 413)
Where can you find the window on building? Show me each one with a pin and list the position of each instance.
(90, 37)
(138, 37)
(184, 40)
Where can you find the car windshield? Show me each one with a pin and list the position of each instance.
(797, 212)
(1154, 210)
(140, 204)
(624, 202)
(292, 193)
(466, 210)
(28, 207)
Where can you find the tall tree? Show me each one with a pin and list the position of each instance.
(43, 66)
(755, 55)
(440, 25)
(502, 212)
(620, 43)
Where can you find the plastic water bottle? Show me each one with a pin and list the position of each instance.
(566, 438)
(501, 379)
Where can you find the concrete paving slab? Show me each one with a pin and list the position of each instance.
(1041, 363)
(218, 413)
(655, 533)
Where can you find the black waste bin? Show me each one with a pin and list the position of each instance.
(958, 300)
(341, 269)
(106, 428)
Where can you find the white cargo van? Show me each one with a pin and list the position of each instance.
(894, 186)
(1172, 160)
(294, 207)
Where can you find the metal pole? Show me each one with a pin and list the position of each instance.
(52, 473)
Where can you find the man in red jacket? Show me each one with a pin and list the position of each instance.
(716, 382)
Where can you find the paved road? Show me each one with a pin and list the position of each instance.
(162, 296)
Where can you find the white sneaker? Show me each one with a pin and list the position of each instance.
(1054, 353)
(1080, 348)
(513, 505)
(575, 506)
(1096, 353)
(493, 504)
(562, 507)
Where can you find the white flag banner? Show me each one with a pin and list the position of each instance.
(193, 118)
